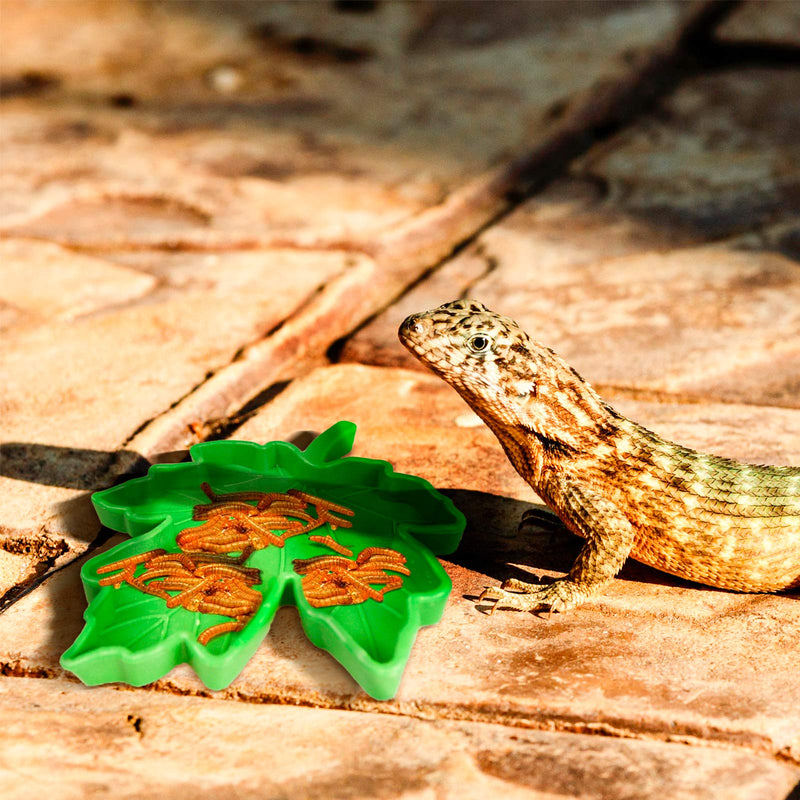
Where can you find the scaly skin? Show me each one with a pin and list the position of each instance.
(624, 489)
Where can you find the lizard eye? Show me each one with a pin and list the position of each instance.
(478, 343)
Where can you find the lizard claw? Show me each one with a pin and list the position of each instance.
(487, 595)
(559, 596)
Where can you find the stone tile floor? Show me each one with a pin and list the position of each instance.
(215, 215)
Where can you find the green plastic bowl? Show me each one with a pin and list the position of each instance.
(134, 638)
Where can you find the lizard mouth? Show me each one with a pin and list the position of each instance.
(423, 337)
(412, 332)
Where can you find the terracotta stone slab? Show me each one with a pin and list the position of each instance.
(719, 157)
(710, 322)
(565, 230)
(47, 281)
(270, 110)
(402, 416)
(670, 265)
(653, 656)
(74, 390)
(215, 749)
(629, 305)
(766, 21)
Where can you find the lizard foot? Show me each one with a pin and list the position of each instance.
(514, 585)
(560, 596)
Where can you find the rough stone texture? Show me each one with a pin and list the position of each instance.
(622, 280)
(76, 389)
(768, 21)
(719, 157)
(316, 104)
(207, 749)
(628, 306)
(708, 322)
(44, 280)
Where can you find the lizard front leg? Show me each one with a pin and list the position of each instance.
(609, 538)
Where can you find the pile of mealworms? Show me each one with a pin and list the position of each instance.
(205, 582)
(340, 581)
(232, 524)
(209, 580)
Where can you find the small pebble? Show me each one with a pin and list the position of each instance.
(468, 420)
(225, 79)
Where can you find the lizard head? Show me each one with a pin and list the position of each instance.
(486, 357)
(506, 377)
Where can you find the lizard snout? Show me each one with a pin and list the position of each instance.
(414, 328)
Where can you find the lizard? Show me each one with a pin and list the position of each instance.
(624, 489)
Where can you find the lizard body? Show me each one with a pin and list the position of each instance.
(621, 487)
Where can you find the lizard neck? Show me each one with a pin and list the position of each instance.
(564, 423)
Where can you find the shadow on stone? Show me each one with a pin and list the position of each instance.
(84, 471)
(89, 470)
(492, 543)
(66, 467)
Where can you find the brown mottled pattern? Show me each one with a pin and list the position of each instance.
(627, 491)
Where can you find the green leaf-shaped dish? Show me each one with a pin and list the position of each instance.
(135, 638)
